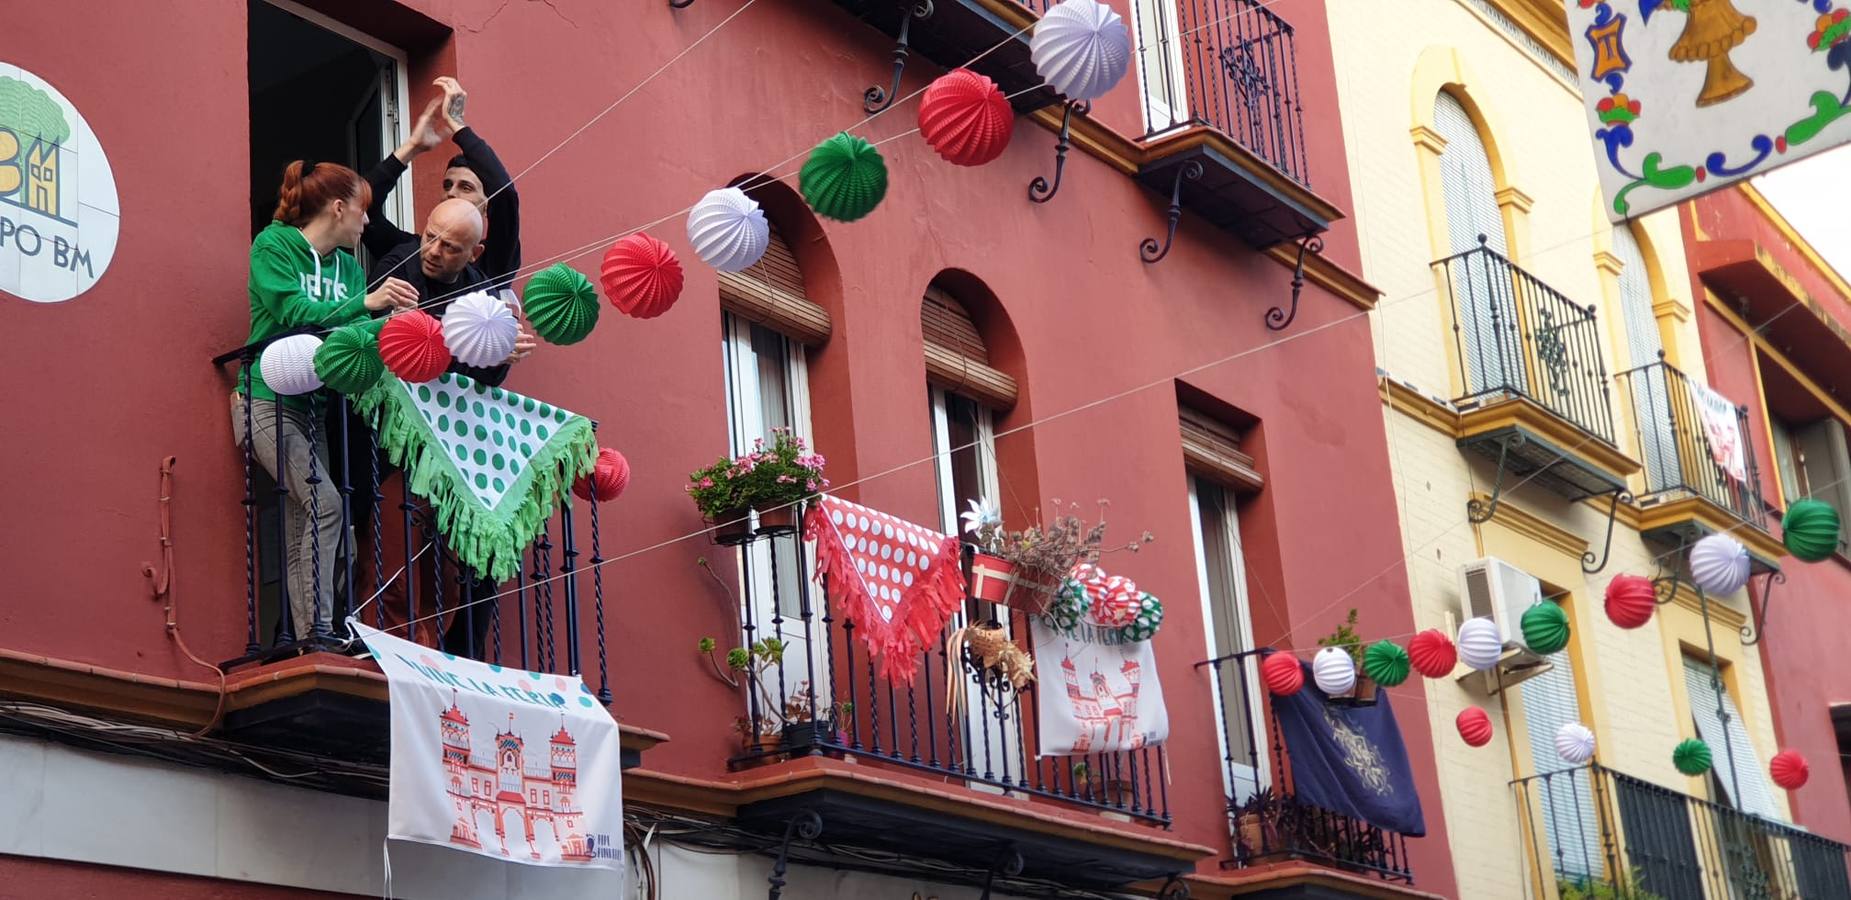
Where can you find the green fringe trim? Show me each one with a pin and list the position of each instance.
(487, 540)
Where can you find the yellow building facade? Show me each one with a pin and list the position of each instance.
(1462, 119)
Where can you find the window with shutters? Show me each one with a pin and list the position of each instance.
(1651, 395)
(1487, 311)
(1736, 776)
(1218, 473)
(1568, 809)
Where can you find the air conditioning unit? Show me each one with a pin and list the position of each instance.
(1494, 589)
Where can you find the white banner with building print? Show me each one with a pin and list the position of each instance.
(515, 765)
(1096, 698)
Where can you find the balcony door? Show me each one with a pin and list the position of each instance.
(1221, 580)
(1569, 809)
(1652, 413)
(1160, 44)
(767, 380)
(1483, 298)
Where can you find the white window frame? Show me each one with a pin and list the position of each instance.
(745, 421)
(1006, 759)
(399, 207)
(1167, 52)
(1258, 775)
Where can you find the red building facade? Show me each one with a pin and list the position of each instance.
(1088, 372)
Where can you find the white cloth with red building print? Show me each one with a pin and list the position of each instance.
(1722, 429)
(1096, 698)
(514, 765)
(898, 582)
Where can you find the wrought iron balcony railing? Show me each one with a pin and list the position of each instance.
(1228, 64)
(1269, 822)
(392, 554)
(1609, 834)
(1516, 336)
(819, 693)
(1678, 451)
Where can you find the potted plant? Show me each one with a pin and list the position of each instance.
(803, 729)
(1100, 788)
(1023, 569)
(1256, 823)
(762, 731)
(1346, 639)
(771, 481)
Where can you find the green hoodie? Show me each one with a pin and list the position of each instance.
(291, 288)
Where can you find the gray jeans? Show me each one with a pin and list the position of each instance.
(312, 550)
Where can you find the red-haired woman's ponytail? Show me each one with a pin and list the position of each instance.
(309, 187)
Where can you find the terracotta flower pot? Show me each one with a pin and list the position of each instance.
(734, 526)
(778, 518)
(1363, 694)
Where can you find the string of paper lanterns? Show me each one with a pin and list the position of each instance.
(1719, 564)
(411, 345)
(288, 365)
(641, 275)
(1432, 653)
(1574, 743)
(480, 329)
(607, 478)
(348, 360)
(1789, 769)
(561, 304)
(1334, 671)
(1386, 663)
(1474, 726)
(965, 118)
(1480, 644)
(1081, 48)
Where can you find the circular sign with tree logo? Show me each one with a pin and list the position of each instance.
(58, 212)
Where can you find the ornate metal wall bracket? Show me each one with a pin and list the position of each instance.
(680, 4)
(1040, 190)
(876, 98)
(1008, 864)
(1588, 559)
(1751, 631)
(1478, 511)
(1174, 888)
(1664, 587)
(806, 825)
(1277, 319)
(1150, 251)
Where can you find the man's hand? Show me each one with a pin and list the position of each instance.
(425, 135)
(524, 344)
(396, 293)
(454, 99)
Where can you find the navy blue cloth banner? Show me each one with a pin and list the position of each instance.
(1349, 759)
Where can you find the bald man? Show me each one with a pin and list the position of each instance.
(445, 267)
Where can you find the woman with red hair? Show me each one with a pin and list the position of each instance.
(304, 278)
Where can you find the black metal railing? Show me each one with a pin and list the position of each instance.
(1517, 336)
(1677, 450)
(1268, 821)
(1604, 833)
(1228, 64)
(388, 559)
(818, 692)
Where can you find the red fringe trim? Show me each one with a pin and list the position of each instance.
(920, 615)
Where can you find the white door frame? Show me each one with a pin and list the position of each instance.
(1259, 774)
(1166, 53)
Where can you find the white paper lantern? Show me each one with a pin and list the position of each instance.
(1719, 565)
(1334, 671)
(288, 365)
(1574, 743)
(1082, 48)
(728, 230)
(479, 329)
(1480, 644)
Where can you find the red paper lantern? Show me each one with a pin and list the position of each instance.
(1630, 600)
(641, 276)
(1433, 653)
(608, 477)
(411, 345)
(1474, 726)
(1789, 769)
(1282, 674)
(966, 118)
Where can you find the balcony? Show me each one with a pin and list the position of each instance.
(1536, 395)
(391, 564)
(1688, 493)
(1279, 826)
(1220, 89)
(1605, 833)
(818, 703)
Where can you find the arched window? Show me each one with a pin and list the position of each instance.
(1481, 298)
(1650, 388)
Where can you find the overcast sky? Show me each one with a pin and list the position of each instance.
(1815, 196)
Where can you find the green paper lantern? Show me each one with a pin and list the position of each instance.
(1545, 628)
(1692, 757)
(1148, 620)
(348, 360)
(1069, 605)
(844, 178)
(1810, 530)
(1386, 663)
(561, 304)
